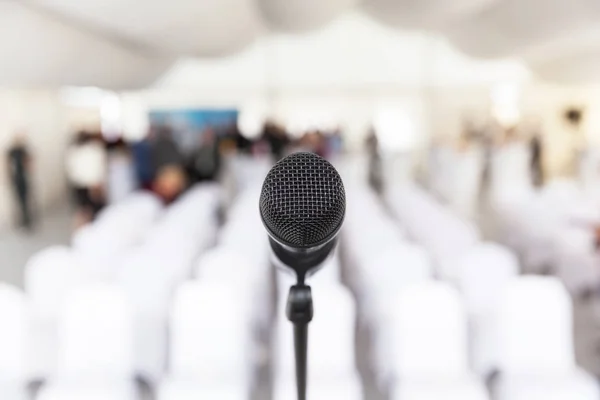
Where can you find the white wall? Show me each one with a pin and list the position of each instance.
(40, 114)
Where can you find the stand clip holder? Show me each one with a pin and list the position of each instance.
(299, 311)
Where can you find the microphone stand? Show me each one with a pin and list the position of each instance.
(299, 311)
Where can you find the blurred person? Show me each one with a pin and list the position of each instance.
(336, 142)
(19, 167)
(206, 160)
(168, 165)
(142, 162)
(277, 138)
(164, 151)
(375, 162)
(536, 149)
(170, 182)
(86, 167)
(243, 144)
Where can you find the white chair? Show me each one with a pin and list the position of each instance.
(386, 276)
(464, 196)
(510, 180)
(116, 227)
(88, 391)
(389, 270)
(204, 317)
(536, 327)
(331, 357)
(195, 212)
(96, 347)
(367, 233)
(536, 355)
(320, 389)
(98, 248)
(446, 236)
(576, 261)
(354, 168)
(576, 385)
(485, 272)
(96, 334)
(250, 277)
(173, 389)
(430, 344)
(429, 332)
(143, 275)
(436, 389)
(14, 344)
(49, 277)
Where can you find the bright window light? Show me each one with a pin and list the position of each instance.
(82, 97)
(134, 118)
(251, 120)
(110, 116)
(395, 129)
(505, 99)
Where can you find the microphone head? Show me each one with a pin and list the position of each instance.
(303, 202)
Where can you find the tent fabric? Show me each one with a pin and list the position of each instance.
(128, 44)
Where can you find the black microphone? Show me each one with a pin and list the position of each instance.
(302, 205)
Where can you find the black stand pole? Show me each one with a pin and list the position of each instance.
(300, 312)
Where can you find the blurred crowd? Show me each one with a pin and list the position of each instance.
(101, 171)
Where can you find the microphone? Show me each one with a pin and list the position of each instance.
(302, 206)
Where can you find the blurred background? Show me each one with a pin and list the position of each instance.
(135, 138)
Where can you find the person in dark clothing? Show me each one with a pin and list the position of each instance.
(536, 160)
(375, 163)
(19, 161)
(141, 154)
(277, 139)
(206, 160)
(168, 166)
(164, 150)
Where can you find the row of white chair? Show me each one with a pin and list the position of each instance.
(209, 344)
(509, 319)
(552, 230)
(148, 267)
(480, 270)
(435, 227)
(240, 263)
(534, 342)
(455, 175)
(381, 263)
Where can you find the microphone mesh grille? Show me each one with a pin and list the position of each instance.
(303, 201)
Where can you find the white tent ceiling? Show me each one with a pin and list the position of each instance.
(129, 43)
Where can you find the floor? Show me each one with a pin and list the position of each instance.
(16, 246)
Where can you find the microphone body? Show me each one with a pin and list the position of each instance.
(304, 262)
(302, 206)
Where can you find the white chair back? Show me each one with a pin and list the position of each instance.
(536, 327)
(485, 271)
(210, 333)
(50, 275)
(398, 266)
(14, 334)
(430, 332)
(96, 334)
